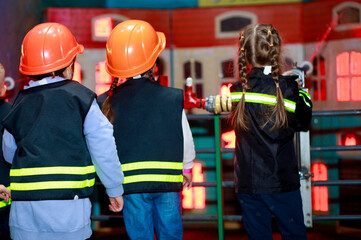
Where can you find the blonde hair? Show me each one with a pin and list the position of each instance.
(259, 45)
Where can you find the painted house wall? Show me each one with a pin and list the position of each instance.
(192, 34)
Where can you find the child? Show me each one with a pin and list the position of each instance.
(267, 110)
(4, 168)
(153, 137)
(56, 138)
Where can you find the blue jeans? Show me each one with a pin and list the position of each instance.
(257, 210)
(144, 212)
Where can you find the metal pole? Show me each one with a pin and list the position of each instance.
(218, 177)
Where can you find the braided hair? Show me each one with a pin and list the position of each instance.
(107, 108)
(259, 45)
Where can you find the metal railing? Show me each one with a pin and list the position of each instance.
(220, 184)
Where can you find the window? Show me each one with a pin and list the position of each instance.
(319, 79)
(348, 69)
(347, 15)
(227, 69)
(103, 25)
(230, 23)
(193, 69)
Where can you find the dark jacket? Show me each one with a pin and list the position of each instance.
(148, 134)
(265, 160)
(52, 160)
(4, 166)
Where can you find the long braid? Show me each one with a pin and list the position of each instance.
(279, 109)
(239, 118)
(107, 108)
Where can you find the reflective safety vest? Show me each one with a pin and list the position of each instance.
(52, 160)
(149, 136)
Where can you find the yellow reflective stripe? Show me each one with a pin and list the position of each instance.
(305, 93)
(153, 178)
(52, 170)
(263, 99)
(152, 165)
(3, 203)
(305, 101)
(51, 185)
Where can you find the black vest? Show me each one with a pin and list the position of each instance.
(149, 136)
(4, 167)
(52, 160)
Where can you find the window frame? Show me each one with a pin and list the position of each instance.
(348, 26)
(232, 34)
(116, 17)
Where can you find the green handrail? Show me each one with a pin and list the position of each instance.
(219, 179)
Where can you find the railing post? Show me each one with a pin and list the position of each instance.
(305, 170)
(219, 177)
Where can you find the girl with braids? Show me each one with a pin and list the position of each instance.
(267, 109)
(154, 141)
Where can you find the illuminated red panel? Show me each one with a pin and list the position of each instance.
(103, 27)
(355, 63)
(349, 140)
(195, 197)
(199, 192)
(77, 72)
(343, 64)
(101, 76)
(319, 194)
(187, 201)
(229, 138)
(225, 90)
(343, 89)
(356, 88)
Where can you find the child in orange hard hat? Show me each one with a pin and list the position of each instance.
(154, 141)
(56, 139)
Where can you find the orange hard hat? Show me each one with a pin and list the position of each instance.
(132, 48)
(46, 48)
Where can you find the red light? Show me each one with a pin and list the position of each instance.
(195, 197)
(355, 63)
(355, 88)
(349, 140)
(77, 72)
(343, 64)
(319, 194)
(103, 27)
(229, 138)
(225, 90)
(343, 89)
